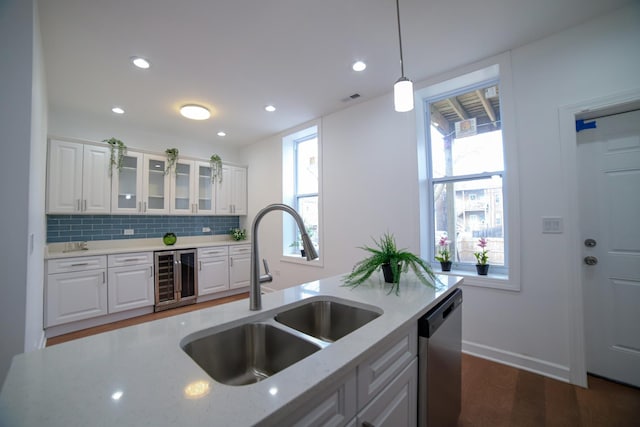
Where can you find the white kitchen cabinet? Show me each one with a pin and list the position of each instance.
(78, 180)
(231, 193)
(396, 405)
(141, 186)
(192, 189)
(213, 270)
(130, 281)
(75, 289)
(239, 266)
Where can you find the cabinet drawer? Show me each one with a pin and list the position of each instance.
(67, 265)
(213, 251)
(240, 250)
(377, 372)
(136, 258)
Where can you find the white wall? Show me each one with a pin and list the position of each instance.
(16, 43)
(89, 128)
(370, 186)
(37, 233)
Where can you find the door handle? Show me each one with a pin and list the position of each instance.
(590, 260)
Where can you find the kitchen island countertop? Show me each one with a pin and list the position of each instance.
(139, 375)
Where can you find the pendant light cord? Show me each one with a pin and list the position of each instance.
(400, 38)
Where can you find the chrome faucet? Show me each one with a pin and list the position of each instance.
(255, 298)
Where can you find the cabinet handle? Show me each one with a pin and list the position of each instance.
(200, 265)
(145, 207)
(84, 205)
(104, 278)
(78, 205)
(80, 264)
(131, 259)
(150, 271)
(139, 206)
(231, 261)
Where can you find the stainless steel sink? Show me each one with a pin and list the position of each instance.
(326, 320)
(248, 353)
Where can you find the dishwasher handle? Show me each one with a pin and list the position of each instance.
(430, 322)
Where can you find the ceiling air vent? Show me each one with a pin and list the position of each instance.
(351, 97)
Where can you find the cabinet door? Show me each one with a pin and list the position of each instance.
(396, 405)
(239, 190)
(156, 185)
(223, 192)
(130, 287)
(64, 183)
(96, 181)
(183, 188)
(239, 271)
(205, 203)
(126, 194)
(213, 275)
(75, 296)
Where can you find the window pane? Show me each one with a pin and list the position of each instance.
(466, 211)
(466, 135)
(308, 209)
(307, 166)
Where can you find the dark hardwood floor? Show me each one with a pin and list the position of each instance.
(493, 394)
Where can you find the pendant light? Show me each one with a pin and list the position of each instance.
(403, 88)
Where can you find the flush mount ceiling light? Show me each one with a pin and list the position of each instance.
(359, 66)
(117, 110)
(270, 108)
(403, 88)
(195, 112)
(140, 62)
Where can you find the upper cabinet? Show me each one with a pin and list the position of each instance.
(79, 181)
(141, 186)
(231, 193)
(78, 178)
(191, 188)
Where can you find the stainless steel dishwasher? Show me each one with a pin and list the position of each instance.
(439, 363)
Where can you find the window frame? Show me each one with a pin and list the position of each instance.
(290, 193)
(498, 69)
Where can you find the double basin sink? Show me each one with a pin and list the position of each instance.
(252, 351)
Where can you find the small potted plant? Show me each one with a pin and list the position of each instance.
(238, 234)
(118, 151)
(392, 261)
(482, 267)
(444, 256)
(215, 161)
(172, 157)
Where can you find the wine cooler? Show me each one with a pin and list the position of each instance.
(176, 278)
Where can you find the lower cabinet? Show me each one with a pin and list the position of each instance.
(381, 391)
(130, 281)
(76, 289)
(213, 270)
(239, 266)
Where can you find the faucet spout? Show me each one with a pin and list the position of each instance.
(255, 297)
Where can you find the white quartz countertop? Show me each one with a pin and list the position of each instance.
(139, 375)
(108, 247)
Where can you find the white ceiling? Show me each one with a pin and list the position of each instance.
(237, 56)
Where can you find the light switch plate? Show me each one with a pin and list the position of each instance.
(206, 229)
(128, 231)
(552, 224)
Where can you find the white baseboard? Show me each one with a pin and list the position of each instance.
(520, 361)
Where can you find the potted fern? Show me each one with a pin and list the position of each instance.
(392, 261)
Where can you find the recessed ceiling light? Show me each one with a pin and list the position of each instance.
(140, 62)
(117, 110)
(359, 66)
(221, 133)
(270, 108)
(195, 112)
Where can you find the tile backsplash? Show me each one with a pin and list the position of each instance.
(69, 228)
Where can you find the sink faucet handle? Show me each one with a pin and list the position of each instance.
(267, 277)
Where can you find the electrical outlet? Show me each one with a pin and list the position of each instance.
(206, 229)
(128, 231)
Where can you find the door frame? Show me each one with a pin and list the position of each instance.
(569, 157)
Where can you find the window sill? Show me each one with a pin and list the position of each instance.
(494, 281)
(296, 259)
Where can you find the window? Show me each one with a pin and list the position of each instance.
(463, 180)
(301, 173)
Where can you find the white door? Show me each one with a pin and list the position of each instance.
(213, 275)
(609, 176)
(96, 182)
(130, 287)
(64, 183)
